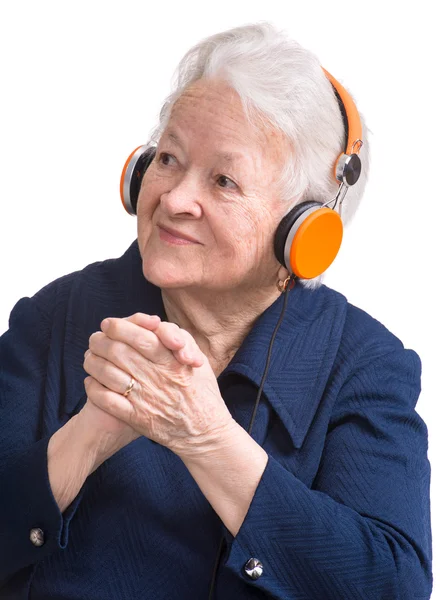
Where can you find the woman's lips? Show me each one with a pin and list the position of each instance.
(173, 237)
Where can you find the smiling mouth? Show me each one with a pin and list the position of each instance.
(173, 237)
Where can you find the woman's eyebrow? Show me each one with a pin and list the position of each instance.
(173, 137)
(229, 156)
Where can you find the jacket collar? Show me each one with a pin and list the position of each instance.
(302, 356)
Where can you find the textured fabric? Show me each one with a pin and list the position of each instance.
(341, 511)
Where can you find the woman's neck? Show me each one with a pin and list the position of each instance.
(218, 322)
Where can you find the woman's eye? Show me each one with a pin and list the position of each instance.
(223, 181)
(164, 159)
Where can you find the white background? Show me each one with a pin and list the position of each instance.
(81, 85)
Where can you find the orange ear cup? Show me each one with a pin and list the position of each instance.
(316, 243)
(121, 183)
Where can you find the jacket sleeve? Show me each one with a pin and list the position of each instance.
(26, 499)
(363, 529)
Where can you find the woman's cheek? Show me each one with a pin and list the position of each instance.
(249, 225)
(239, 221)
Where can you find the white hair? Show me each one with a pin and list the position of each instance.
(281, 82)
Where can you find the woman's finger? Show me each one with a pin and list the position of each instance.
(106, 372)
(168, 333)
(138, 338)
(125, 356)
(150, 322)
(113, 403)
(190, 353)
(179, 341)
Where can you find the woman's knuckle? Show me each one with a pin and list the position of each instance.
(114, 353)
(144, 343)
(114, 327)
(170, 327)
(186, 335)
(106, 368)
(94, 339)
(189, 340)
(111, 401)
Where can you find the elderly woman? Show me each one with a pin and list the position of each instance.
(202, 417)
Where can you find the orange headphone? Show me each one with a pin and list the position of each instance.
(308, 238)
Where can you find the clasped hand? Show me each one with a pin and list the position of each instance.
(175, 400)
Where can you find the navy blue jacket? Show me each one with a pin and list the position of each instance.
(342, 510)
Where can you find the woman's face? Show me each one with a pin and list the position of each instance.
(213, 180)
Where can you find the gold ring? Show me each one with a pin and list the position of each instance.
(129, 388)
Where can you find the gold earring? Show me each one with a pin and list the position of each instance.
(282, 285)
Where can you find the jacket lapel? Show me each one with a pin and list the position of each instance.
(302, 357)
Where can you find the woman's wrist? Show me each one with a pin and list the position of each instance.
(71, 456)
(94, 446)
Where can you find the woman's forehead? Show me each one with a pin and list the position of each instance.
(212, 111)
(214, 108)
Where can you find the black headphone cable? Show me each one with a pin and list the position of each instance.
(287, 287)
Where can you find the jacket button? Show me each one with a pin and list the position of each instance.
(253, 568)
(37, 536)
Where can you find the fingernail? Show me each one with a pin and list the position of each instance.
(105, 323)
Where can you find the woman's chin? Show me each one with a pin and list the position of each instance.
(164, 275)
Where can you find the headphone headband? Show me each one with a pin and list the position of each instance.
(354, 125)
(347, 168)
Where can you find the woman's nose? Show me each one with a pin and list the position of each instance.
(182, 199)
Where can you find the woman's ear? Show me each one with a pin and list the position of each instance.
(283, 273)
